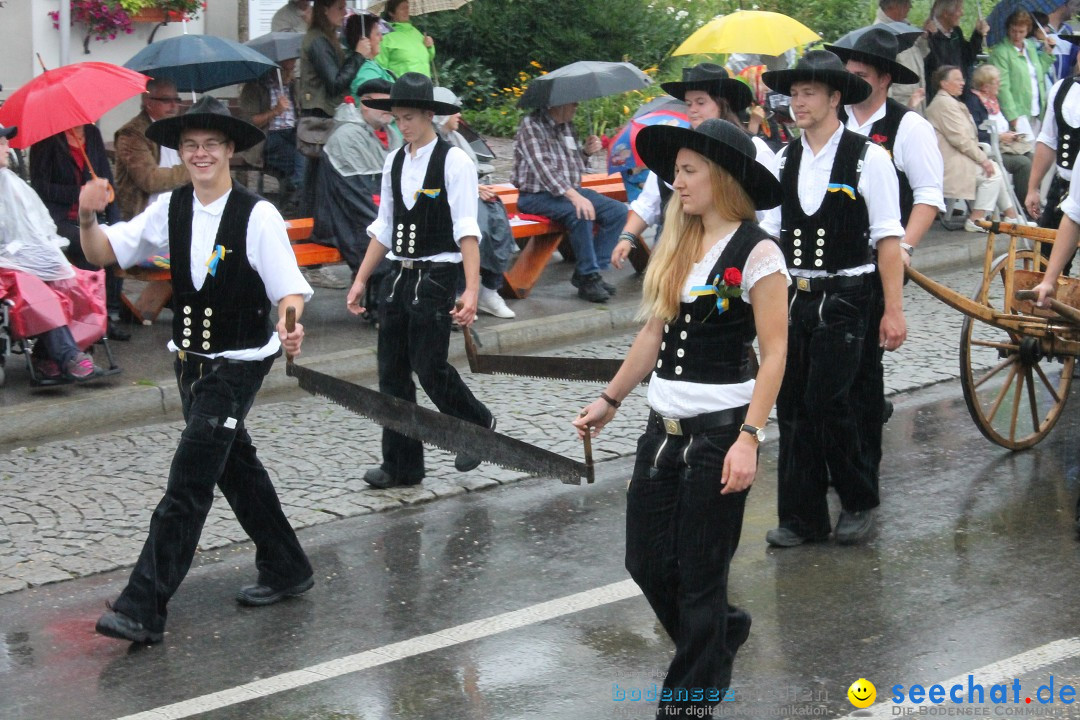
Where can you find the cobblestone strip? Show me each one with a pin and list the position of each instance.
(73, 508)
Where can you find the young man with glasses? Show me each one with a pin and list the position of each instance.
(231, 261)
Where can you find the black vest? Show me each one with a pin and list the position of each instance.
(837, 235)
(1068, 138)
(883, 132)
(704, 345)
(231, 310)
(428, 227)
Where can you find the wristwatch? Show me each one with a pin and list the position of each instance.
(757, 433)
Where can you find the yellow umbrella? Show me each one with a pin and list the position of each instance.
(748, 31)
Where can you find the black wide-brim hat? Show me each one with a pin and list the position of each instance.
(877, 47)
(413, 90)
(713, 79)
(8, 132)
(719, 141)
(824, 67)
(208, 113)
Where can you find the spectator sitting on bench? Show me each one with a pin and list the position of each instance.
(270, 105)
(497, 243)
(548, 164)
(351, 177)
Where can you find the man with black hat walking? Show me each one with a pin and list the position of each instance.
(232, 260)
(427, 227)
(829, 224)
(911, 141)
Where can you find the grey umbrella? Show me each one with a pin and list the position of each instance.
(200, 63)
(582, 80)
(906, 34)
(277, 46)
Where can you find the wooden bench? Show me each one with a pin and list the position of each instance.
(540, 240)
(158, 291)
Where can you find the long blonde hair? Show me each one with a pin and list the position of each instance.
(680, 244)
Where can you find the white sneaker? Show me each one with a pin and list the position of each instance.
(492, 303)
(972, 227)
(323, 277)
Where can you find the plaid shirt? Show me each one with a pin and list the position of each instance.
(546, 156)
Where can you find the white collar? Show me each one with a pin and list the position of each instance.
(875, 116)
(421, 151)
(216, 207)
(831, 142)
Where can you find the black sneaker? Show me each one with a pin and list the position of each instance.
(611, 289)
(592, 289)
(464, 462)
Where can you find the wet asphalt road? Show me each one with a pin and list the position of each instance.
(974, 561)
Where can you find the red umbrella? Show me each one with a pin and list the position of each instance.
(58, 100)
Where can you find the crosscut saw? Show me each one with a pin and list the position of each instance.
(537, 366)
(435, 428)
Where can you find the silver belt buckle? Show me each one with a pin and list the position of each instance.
(672, 426)
(407, 264)
(803, 284)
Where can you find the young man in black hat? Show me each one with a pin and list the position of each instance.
(829, 224)
(232, 261)
(911, 141)
(426, 226)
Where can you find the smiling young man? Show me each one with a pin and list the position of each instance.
(840, 201)
(232, 260)
(427, 227)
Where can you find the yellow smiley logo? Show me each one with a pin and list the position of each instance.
(862, 693)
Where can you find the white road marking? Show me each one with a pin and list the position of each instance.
(987, 675)
(456, 635)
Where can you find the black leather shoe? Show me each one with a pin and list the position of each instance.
(259, 595)
(379, 478)
(852, 527)
(464, 462)
(115, 332)
(611, 289)
(118, 625)
(887, 412)
(785, 537)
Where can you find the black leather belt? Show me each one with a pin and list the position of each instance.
(422, 264)
(699, 423)
(830, 284)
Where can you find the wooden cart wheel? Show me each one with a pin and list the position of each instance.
(1015, 395)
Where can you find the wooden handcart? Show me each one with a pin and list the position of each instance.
(1016, 359)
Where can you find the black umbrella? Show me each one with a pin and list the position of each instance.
(277, 46)
(580, 81)
(199, 63)
(906, 34)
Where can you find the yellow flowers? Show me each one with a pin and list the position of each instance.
(536, 65)
(625, 110)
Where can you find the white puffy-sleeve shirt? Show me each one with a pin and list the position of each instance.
(459, 182)
(681, 399)
(268, 252)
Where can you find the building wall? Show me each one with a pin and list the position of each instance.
(27, 31)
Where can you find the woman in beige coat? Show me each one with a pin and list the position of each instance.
(969, 173)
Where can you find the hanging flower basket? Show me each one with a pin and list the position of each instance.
(106, 19)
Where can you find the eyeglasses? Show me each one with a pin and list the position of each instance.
(210, 146)
(165, 100)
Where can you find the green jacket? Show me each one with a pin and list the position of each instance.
(1015, 93)
(403, 51)
(369, 71)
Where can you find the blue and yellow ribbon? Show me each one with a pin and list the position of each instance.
(840, 187)
(215, 257)
(431, 193)
(714, 289)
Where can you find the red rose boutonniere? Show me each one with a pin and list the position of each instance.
(724, 287)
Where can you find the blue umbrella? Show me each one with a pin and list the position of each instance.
(1005, 8)
(199, 63)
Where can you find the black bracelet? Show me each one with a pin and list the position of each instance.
(630, 238)
(610, 400)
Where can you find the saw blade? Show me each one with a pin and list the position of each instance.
(540, 367)
(444, 431)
